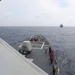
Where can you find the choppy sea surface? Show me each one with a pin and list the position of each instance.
(62, 41)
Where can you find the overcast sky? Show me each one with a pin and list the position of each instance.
(37, 12)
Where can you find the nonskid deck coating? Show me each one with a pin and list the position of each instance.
(41, 58)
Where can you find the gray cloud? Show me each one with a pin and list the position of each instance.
(37, 12)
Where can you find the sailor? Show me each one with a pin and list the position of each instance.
(58, 71)
(52, 56)
(54, 69)
(50, 50)
(55, 60)
(46, 48)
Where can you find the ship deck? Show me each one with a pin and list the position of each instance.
(40, 57)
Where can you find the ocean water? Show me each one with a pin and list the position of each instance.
(62, 41)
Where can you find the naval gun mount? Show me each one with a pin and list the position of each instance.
(34, 42)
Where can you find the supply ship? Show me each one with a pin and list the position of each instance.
(61, 25)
